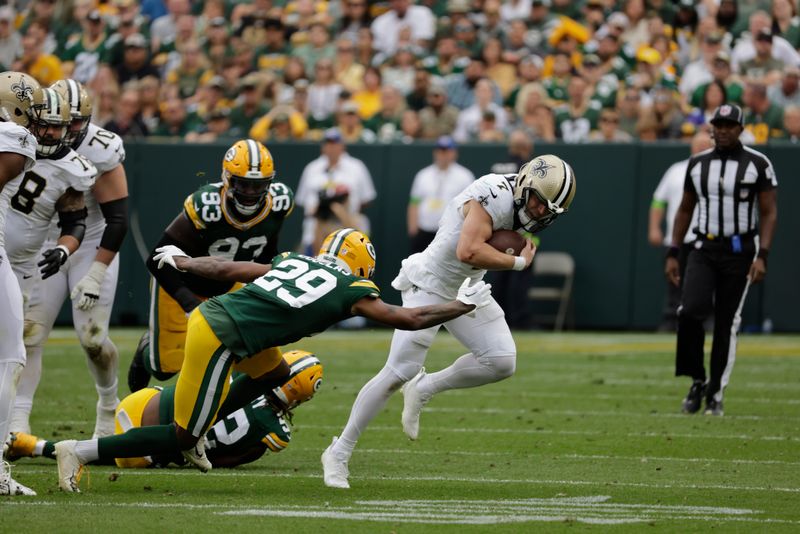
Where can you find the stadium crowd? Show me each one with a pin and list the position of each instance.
(279, 70)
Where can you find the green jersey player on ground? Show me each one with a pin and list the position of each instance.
(294, 297)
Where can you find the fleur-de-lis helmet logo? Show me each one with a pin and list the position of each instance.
(540, 168)
(22, 91)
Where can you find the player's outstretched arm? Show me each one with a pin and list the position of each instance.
(11, 166)
(472, 244)
(469, 298)
(212, 267)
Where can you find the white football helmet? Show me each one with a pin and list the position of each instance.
(552, 180)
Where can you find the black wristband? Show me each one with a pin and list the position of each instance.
(673, 252)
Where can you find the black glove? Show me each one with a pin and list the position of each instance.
(54, 258)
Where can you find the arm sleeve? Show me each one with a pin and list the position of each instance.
(115, 213)
(171, 280)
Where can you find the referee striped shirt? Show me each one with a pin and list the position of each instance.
(727, 184)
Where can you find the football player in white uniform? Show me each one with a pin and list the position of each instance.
(527, 201)
(90, 275)
(17, 155)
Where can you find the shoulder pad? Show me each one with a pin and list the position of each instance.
(203, 206)
(103, 148)
(79, 171)
(14, 138)
(282, 198)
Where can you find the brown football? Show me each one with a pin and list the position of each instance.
(507, 241)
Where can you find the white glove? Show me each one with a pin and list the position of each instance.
(87, 291)
(478, 295)
(167, 254)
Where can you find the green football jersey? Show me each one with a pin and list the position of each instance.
(224, 235)
(575, 128)
(299, 297)
(235, 435)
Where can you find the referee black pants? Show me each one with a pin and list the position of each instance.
(715, 282)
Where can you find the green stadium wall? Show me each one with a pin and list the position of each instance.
(618, 283)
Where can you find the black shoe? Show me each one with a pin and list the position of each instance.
(691, 404)
(138, 376)
(713, 407)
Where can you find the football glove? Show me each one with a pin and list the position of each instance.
(478, 295)
(166, 255)
(53, 259)
(87, 291)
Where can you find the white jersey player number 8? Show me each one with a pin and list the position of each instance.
(303, 278)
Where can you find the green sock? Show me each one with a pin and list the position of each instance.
(49, 449)
(136, 442)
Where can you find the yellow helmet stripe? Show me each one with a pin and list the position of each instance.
(255, 155)
(338, 240)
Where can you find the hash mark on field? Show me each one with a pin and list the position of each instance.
(542, 482)
(590, 509)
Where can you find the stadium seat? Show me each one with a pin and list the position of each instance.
(553, 274)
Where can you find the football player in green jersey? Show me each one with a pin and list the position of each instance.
(236, 219)
(242, 437)
(294, 297)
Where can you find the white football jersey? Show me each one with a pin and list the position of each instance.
(32, 203)
(14, 138)
(437, 269)
(105, 150)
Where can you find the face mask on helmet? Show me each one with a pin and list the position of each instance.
(530, 222)
(80, 106)
(247, 171)
(351, 250)
(49, 125)
(305, 379)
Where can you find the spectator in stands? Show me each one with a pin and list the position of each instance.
(762, 118)
(399, 71)
(365, 51)
(149, 88)
(787, 92)
(295, 70)
(323, 95)
(192, 72)
(217, 128)
(608, 130)
(445, 60)
(127, 24)
(211, 96)
(10, 39)
(127, 122)
(355, 16)
(135, 60)
(492, 24)
(83, 54)
(273, 54)
(785, 22)
(461, 87)
(469, 119)
(668, 115)
(250, 105)
(502, 73)
(216, 45)
(438, 118)
(153, 9)
(714, 96)
(699, 72)
(433, 187)
(318, 46)
(745, 48)
(762, 67)
(721, 72)
(560, 72)
(369, 98)
(791, 123)
(629, 106)
(727, 17)
(335, 167)
(386, 122)
(105, 105)
(282, 123)
(489, 130)
(537, 119)
(350, 125)
(43, 14)
(176, 121)
(410, 127)
(46, 68)
(578, 117)
(418, 97)
(349, 73)
(164, 28)
(403, 14)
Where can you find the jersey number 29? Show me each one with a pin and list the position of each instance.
(312, 284)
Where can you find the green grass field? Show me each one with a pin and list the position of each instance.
(586, 435)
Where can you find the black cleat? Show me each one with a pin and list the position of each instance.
(138, 376)
(713, 407)
(691, 404)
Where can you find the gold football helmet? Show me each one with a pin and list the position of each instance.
(80, 107)
(247, 171)
(552, 180)
(350, 249)
(51, 118)
(305, 378)
(18, 92)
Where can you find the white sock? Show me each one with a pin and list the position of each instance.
(104, 368)
(86, 451)
(466, 372)
(369, 402)
(26, 389)
(38, 449)
(9, 375)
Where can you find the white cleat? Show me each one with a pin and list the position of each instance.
(197, 456)
(70, 468)
(9, 486)
(104, 422)
(335, 471)
(413, 401)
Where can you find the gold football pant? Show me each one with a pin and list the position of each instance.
(129, 415)
(205, 378)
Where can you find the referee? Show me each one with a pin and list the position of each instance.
(734, 189)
